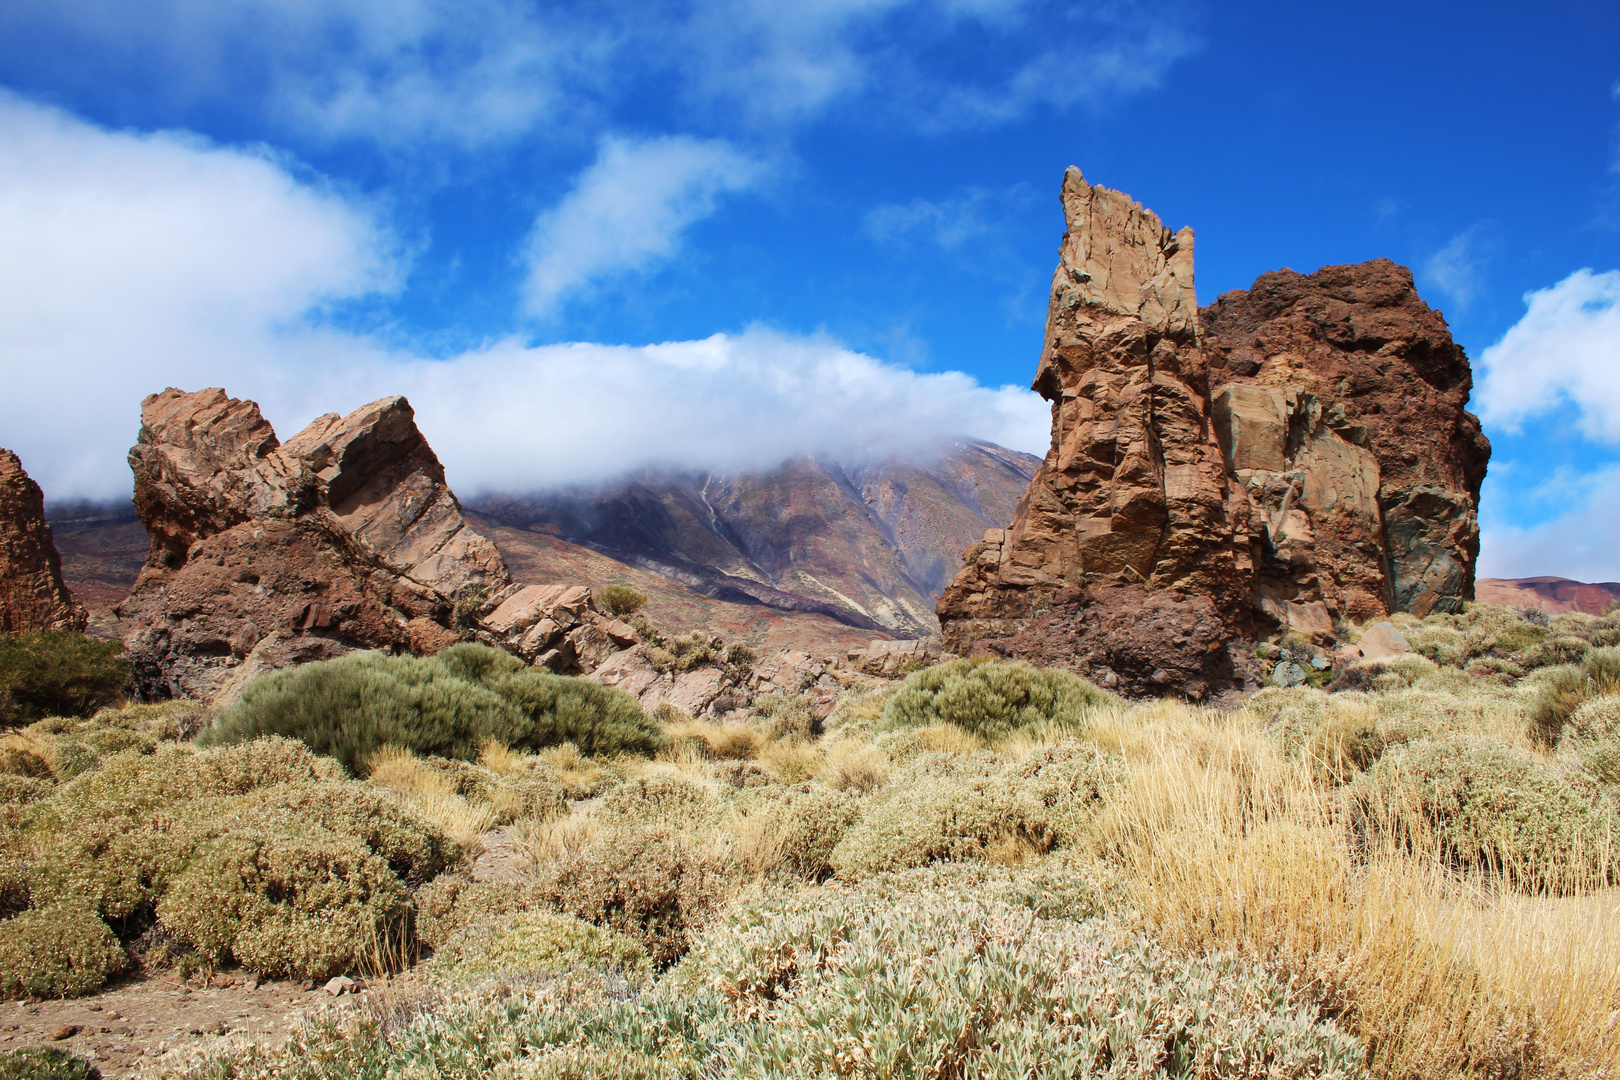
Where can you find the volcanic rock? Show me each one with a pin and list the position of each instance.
(347, 537)
(32, 596)
(1295, 456)
(1133, 502)
(1345, 388)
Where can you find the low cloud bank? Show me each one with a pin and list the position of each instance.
(135, 262)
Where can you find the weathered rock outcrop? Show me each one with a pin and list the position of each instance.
(346, 537)
(1345, 386)
(1291, 457)
(1133, 508)
(32, 596)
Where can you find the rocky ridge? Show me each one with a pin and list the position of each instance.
(346, 537)
(1294, 456)
(32, 594)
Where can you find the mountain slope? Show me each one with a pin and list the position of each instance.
(869, 544)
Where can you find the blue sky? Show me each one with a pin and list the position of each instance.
(588, 237)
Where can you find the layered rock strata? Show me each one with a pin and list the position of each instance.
(346, 537)
(32, 595)
(1292, 457)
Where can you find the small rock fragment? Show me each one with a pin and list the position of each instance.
(342, 984)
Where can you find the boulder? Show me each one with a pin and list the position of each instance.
(345, 537)
(32, 595)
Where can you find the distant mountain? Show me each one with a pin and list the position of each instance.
(870, 545)
(1551, 594)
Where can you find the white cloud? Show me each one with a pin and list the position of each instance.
(514, 418)
(1565, 351)
(1458, 268)
(131, 262)
(629, 210)
(135, 262)
(1578, 543)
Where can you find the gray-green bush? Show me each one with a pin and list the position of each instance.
(992, 699)
(448, 706)
(1485, 806)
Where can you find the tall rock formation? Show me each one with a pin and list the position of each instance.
(32, 596)
(346, 537)
(1292, 457)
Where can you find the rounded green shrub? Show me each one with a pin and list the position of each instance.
(57, 673)
(992, 699)
(447, 706)
(1592, 734)
(530, 944)
(45, 1063)
(352, 706)
(620, 599)
(305, 905)
(1485, 806)
(1560, 649)
(602, 721)
(56, 952)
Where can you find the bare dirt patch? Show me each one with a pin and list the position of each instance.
(137, 1021)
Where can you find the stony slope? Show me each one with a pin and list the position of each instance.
(869, 545)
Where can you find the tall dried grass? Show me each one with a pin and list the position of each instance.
(1229, 845)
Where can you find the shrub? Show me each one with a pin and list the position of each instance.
(860, 983)
(447, 706)
(1560, 690)
(349, 707)
(802, 826)
(1484, 806)
(787, 717)
(304, 905)
(740, 656)
(57, 952)
(599, 720)
(530, 944)
(452, 902)
(57, 673)
(45, 1063)
(620, 600)
(993, 699)
(663, 800)
(647, 884)
(1563, 649)
(1593, 735)
(947, 807)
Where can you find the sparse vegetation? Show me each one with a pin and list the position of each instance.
(1002, 874)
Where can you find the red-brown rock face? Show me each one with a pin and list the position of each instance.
(1347, 387)
(346, 537)
(1292, 457)
(32, 596)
